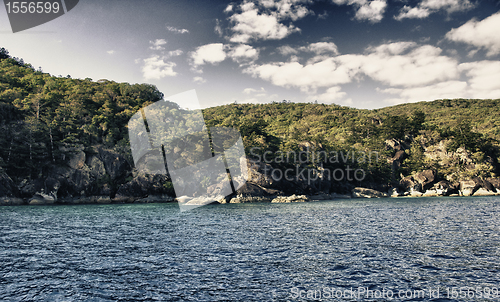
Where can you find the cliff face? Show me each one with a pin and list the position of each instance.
(92, 175)
(100, 175)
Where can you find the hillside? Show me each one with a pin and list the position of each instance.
(63, 132)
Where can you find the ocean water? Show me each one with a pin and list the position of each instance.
(425, 249)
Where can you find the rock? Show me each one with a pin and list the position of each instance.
(7, 187)
(11, 201)
(292, 198)
(247, 199)
(441, 188)
(261, 174)
(251, 189)
(485, 184)
(414, 193)
(142, 186)
(420, 182)
(116, 166)
(394, 144)
(426, 178)
(96, 166)
(75, 155)
(394, 192)
(468, 187)
(367, 193)
(495, 182)
(484, 192)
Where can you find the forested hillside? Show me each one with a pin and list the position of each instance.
(43, 116)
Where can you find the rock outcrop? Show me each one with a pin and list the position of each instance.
(359, 192)
(288, 199)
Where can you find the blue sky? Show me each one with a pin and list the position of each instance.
(358, 53)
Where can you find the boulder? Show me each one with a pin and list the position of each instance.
(426, 178)
(292, 198)
(495, 182)
(420, 182)
(484, 192)
(468, 187)
(367, 193)
(485, 184)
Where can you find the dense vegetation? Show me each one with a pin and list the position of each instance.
(40, 114)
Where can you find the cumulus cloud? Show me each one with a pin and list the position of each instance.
(442, 90)
(321, 48)
(483, 78)
(157, 44)
(481, 34)
(156, 68)
(427, 7)
(199, 80)
(110, 52)
(287, 50)
(243, 53)
(263, 19)
(366, 10)
(403, 64)
(257, 95)
(177, 30)
(306, 77)
(332, 94)
(209, 53)
(175, 53)
(400, 65)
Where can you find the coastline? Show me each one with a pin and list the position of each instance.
(15, 201)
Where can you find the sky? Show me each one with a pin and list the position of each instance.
(357, 53)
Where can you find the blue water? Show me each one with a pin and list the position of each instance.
(253, 252)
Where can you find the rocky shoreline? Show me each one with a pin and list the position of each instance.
(102, 176)
(357, 192)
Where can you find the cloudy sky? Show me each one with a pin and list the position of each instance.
(358, 53)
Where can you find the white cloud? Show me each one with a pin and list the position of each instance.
(400, 64)
(157, 44)
(420, 66)
(175, 53)
(263, 19)
(287, 50)
(110, 52)
(253, 90)
(427, 7)
(209, 53)
(156, 68)
(482, 34)
(321, 48)
(177, 30)
(413, 13)
(483, 78)
(366, 10)
(306, 77)
(332, 94)
(243, 52)
(442, 90)
(372, 11)
(199, 80)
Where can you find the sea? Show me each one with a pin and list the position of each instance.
(405, 249)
